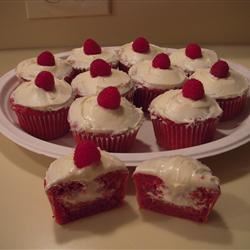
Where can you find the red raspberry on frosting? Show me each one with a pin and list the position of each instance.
(91, 47)
(100, 68)
(193, 89)
(45, 80)
(109, 98)
(220, 69)
(193, 51)
(161, 61)
(46, 58)
(140, 45)
(86, 153)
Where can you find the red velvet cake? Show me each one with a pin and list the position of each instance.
(84, 184)
(176, 186)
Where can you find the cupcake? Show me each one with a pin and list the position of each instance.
(110, 121)
(28, 69)
(42, 105)
(85, 183)
(81, 58)
(184, 117)
(138, 50)
(193, 57)
(154, 77)
(228, 87)
(101, 76)
(176, 186)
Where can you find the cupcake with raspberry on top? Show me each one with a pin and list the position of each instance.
(28, 69)
(101, 76)
(154, 77)
(228, 87)
(193, 57)
(108, 119)
(81, 58)
(138, 50)
(184, 117)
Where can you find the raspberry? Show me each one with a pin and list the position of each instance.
(140, 45)
(109, 98)
(86, 153)
(220, 69)
(161, 61)
(193, 51)
(193, 89)
(100, 68)
(91, 47)
(45, 80)
(46, 58)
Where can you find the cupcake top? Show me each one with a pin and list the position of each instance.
(181, 174)
(93, 81)
(157, 73)
(221, 82)
(193, 57)
(105, 113)
(86, 164)
(185, 105)
(45, 61)
(44, 93)
(81, 58)
(137, 51)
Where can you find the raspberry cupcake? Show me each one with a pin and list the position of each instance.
(154, 77)
(28, 69)
(85, 183)
(229, 88)
(177, 186)
(184, 117)
(42, 105)
(81, 58)
(138, 50)
(110, 121)
(193, 57)
(100, 76)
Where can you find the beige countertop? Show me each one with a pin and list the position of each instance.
(26, 218)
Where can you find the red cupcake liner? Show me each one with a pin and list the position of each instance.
(232, 107)
(170, 135)
(46, 125)
(110, 143)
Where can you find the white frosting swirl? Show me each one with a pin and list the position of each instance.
(28, 69)
(29, 95)
(86, 115)
(64, 169)
(233, 86)
(84, 84)
(129, 57)
(175, 107)
(79, 60)
(179, 58)
(150, 77)
(181, 175)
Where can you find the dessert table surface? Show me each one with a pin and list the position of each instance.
(26, 217)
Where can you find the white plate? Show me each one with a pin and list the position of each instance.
(229, 134)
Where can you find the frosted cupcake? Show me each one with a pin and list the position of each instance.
(81, 58)
(101, 76)
(42, 105)
(154, 77)
(193, 57)
(184, 117)
(177, 186)
(138, 50)
(229, 88)
(85, 183)
(28, 69)
(110, 121)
